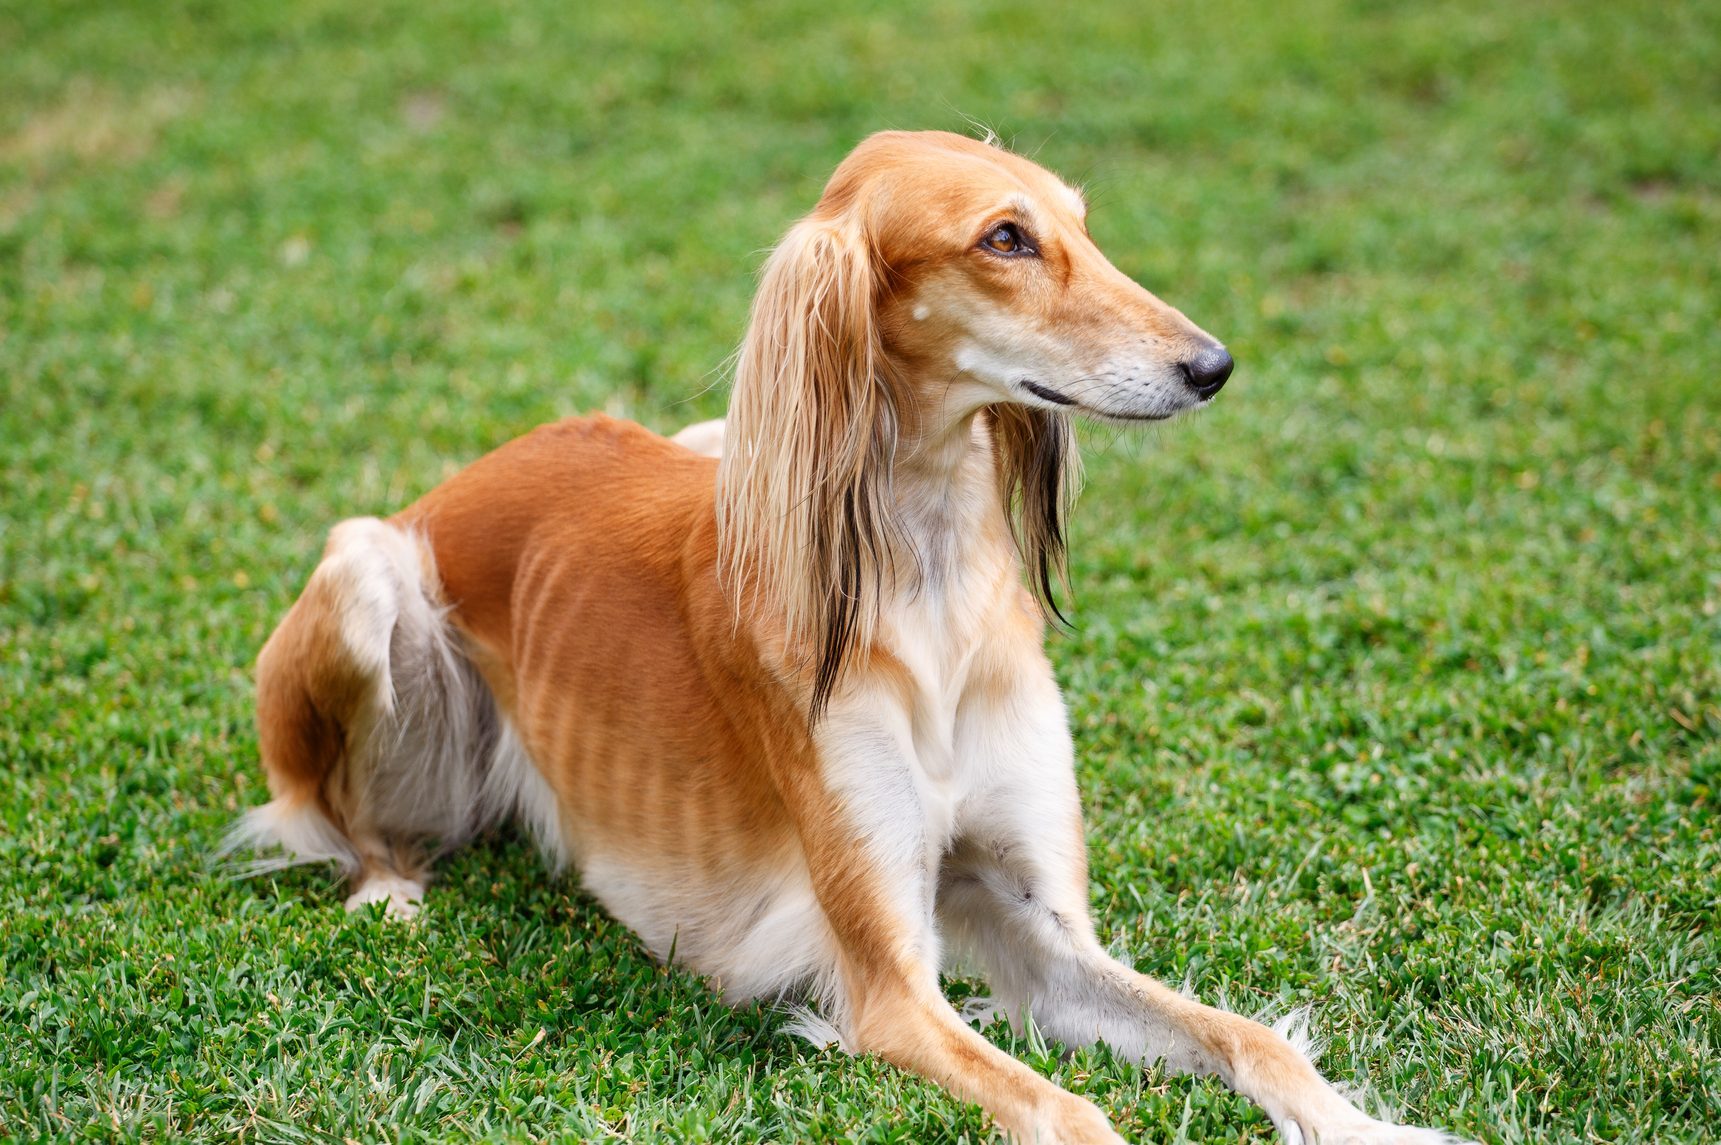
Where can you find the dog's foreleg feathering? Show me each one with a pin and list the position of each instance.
(1013, 900)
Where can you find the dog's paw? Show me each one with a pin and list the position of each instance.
(402, 895)
(1359, 1129)
(982, 1010)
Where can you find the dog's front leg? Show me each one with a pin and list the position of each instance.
(872, 836)
(1013, 896)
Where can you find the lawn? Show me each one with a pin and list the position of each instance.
(1395, 676)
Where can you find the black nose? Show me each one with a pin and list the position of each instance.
(1207, 371)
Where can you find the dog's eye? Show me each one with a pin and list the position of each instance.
(1007, 238)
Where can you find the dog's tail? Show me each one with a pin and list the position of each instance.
(382, 744)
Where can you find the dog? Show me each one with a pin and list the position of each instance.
(778, 692)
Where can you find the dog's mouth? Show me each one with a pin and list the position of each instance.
(1107, 415)
(1048, 394)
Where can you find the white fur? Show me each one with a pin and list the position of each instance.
(806, 1022)
(283, 832)
(902, 812)
(763, 937)
(702, 437)
(402, 895)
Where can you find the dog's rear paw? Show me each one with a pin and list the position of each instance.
(403, 895)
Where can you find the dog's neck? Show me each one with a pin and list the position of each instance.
(949, 507)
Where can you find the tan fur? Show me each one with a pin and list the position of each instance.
(788, 713)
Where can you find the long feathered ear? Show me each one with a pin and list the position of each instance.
(1039, 469)
(803, 502)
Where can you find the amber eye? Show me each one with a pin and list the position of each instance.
(1007, 238)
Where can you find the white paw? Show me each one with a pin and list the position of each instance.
(402, 895)
(982, 1010)
(1359, 1129)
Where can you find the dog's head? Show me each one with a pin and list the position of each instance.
(986, 284)
(938, 276)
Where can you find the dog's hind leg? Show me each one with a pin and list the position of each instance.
(374, 728)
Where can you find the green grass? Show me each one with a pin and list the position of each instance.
(1395, 677)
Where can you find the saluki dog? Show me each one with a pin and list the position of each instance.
(786, 709)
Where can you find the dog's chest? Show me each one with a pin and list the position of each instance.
(944, 639)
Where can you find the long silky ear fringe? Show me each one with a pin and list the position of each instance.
(805, 517)
(805, 528)
(1039, 469)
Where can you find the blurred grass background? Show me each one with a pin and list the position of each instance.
(1394, 677)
